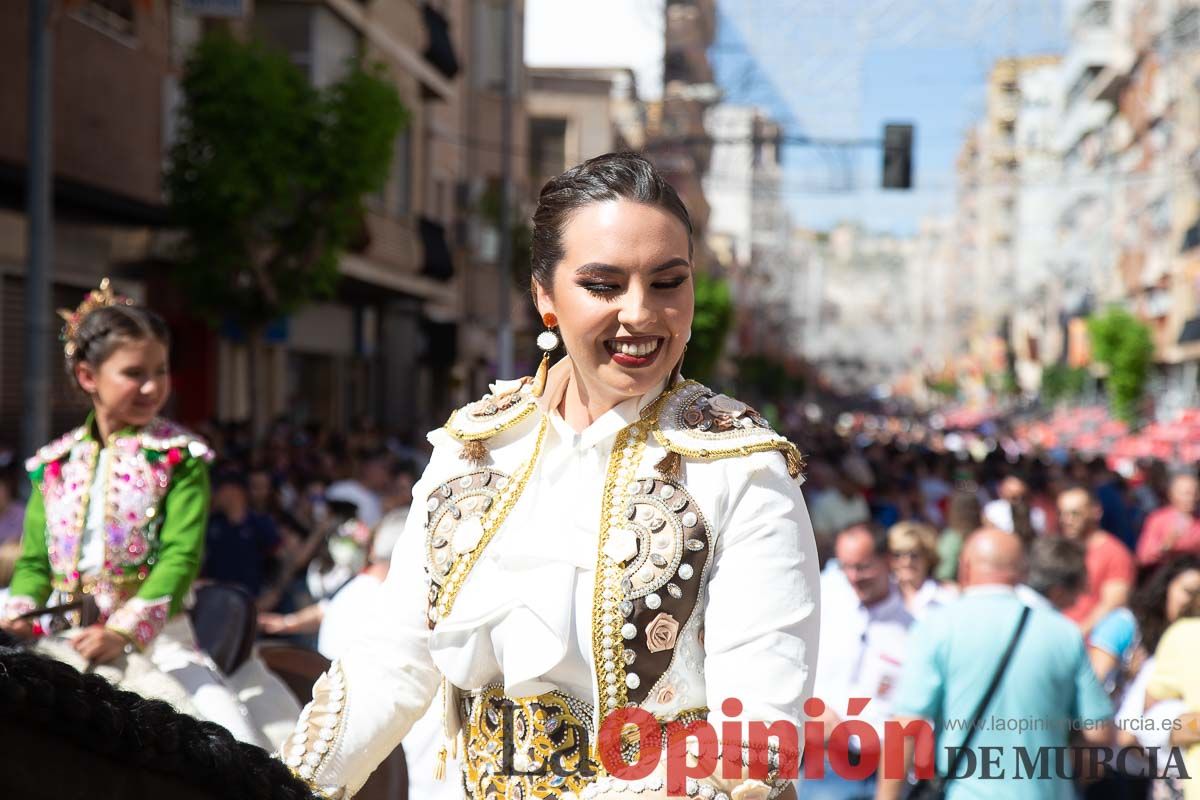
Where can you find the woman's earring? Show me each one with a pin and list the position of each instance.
(547, 342)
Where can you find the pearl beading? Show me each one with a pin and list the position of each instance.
(612, 588)
(320, 727)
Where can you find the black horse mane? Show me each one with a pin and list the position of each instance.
(52, 710)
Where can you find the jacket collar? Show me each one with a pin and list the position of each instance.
(91, 433)
(603, 427)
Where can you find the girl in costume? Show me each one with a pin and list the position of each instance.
(602, 536)
(117, 515)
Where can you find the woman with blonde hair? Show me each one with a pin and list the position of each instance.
(913, 554)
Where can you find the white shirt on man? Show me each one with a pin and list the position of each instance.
(862, 650)
(999, 514)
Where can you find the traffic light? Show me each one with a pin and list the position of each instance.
(897, 156)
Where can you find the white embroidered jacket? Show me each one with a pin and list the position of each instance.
(596, 564)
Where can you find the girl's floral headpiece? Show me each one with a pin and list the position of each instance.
(97, 298)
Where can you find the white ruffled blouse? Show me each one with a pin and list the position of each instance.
(523, 617)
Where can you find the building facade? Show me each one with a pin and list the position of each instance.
(111, 66)
(412, 329)
(749, 229)
(577, 113)
(676, 138)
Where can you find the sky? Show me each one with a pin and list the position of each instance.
(836, 69)
(598, 33)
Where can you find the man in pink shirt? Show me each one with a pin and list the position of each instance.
(1111, 571)
(1174, 528)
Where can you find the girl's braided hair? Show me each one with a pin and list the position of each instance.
(103, 330)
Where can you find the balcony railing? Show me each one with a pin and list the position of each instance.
(439, 263)
(440, 48)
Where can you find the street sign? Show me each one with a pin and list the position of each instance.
(227, 9)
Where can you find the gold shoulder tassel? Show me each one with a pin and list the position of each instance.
(671, 465)
(474, 452)
(795, 461)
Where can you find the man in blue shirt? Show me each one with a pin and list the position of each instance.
(1047, 690)
(240, 543)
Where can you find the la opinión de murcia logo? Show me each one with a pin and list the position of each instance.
(853, 751)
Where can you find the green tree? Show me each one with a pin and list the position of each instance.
(1123, 344)
(267, 178)
(945, 386)
(1060, 382)
(710, 327)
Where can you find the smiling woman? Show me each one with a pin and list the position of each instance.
(612, 262)
(604, 536)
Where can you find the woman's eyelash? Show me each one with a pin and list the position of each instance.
(608, 288)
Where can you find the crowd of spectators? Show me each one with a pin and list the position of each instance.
(931, 544)
(304, 520)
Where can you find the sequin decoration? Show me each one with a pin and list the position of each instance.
(136, 480)
(700, 424)
(469, 510)
(536, 729)
(140, 620)
(616, 582)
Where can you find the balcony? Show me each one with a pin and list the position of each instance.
(704, 12)
(1005, 106)
(1097, 65)
(687, 40)
(1080, 120)
(439, 48)
(439, 263)
(1091, 14)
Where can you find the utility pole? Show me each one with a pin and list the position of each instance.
(38, 194)
(504, 337)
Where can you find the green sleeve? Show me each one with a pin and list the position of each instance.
(181, 537)
(31, 577)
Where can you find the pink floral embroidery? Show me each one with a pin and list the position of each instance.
(64, 491)
(136, 486)
(135, 503)
(140, 620)
(16, 606)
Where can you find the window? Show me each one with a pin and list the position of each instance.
(487, 66)
(1095, 14)
(315, 39)
(402, 175)
(114, 17)
(547, 147)
(1081, 84)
